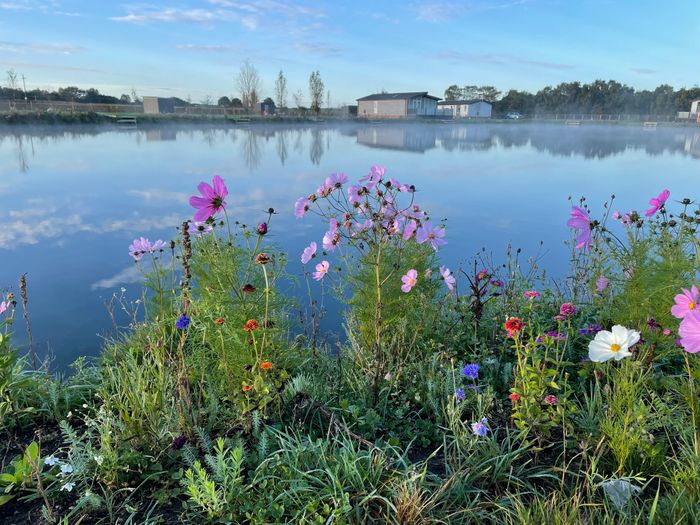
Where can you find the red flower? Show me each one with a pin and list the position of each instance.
(550, 399)
(246, 388)
(266, 365)
(219, 321)
(514, 397)
(514, 324)
(250, 325)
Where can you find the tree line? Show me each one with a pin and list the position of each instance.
(607, 97)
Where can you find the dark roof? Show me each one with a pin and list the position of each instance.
(398, 96)
(453, 102)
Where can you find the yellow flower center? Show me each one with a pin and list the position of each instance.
(412, 282)
(431, 236)
(691, 305)
(614, 347)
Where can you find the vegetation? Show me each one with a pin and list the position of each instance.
(475, 396)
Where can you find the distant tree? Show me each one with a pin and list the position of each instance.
(12, 84)
(249, 84)
(236, 103)
(224, 102)
(298, 99)
(453, 92)
(125, 99)
(134, 96)
(268, 100)
(316, 89)
(281, 90)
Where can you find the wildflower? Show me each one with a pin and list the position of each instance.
(330, 240)
(459, 394)
(482, 275)
(262, 228)
(685, 302)
(66, 469)
(612, 345)
(219, 321)
(246, 388)
(321, 270)
(266, 365)
(532, 294)
(248, 288)
(199, 229)
(479, 428)
(182, 323)
(550, 399)
(250, 325)
(690, 332)
(590, 329)
(99, 460)
(336, 180)
(581, 221)
(355, 194)
(652, 324)
(142, 246)
(431, 234)
(567, 310)
(496, 283)
(601, 283)
(212, 200)
(263, 258)
(657, 203)
(666, 332)
(179, 442)
(309, 253)
(301, 206)
(559, 318)
(409, 280)
(513, 325)
(373, 177)
(471, 371)
(51, 461)
(556, 336)
(447, 276)
(3, 307)
(68, 487)
(514, 397)
(409, 229)
(387, 376)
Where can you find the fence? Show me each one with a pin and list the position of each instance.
(60, 106)
(616, 117)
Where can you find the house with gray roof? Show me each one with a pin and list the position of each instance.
(476, 108)
(397, 105)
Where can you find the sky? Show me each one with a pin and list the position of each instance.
(194, 49)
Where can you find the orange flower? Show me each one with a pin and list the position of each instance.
(250, 325)
(514, 324)
(219, 321)
(266, 365)
(247, 388)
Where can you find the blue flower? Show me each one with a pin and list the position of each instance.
(479, 428)
(182, 323)
(471, 371)
(459, 394)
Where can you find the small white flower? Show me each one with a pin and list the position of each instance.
(99, 459)
(69, 414)
(50, 461)
(387, 377)
(123, 289)
(66, 469)
(85, 405)
(612, 345)
(68, 487)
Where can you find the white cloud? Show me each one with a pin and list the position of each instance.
(37, 47)
(127, 276)
(210, 48)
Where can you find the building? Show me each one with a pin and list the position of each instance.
(398, 137)
(477, 108)
(397, 105)
(695, 108)
(155, 105)
(266, 107)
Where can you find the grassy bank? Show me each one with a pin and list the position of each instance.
(481, 394)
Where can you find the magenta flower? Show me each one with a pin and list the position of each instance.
(262, 228)
(301, 206)
(550, 399)
(212, 200)
(532, 294)
(685, 303)
(309, 253)
(447, 276)
(657, 202)
(409, 280)
(567, 310)
(581, 221)
(430, 234)
(321, 270)
(601, 283)
(690, 332)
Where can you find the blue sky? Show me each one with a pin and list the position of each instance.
(195, 48)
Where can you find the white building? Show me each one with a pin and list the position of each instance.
(465, 108)
(695, 108)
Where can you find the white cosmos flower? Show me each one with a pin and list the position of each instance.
(612, 345)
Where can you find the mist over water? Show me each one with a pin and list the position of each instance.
(72, 199)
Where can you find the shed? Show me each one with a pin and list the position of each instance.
(477, 108)
(397, 105)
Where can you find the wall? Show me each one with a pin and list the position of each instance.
(385, 108)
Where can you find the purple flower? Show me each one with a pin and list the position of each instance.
(336, 180)
(309, 253)
(471, 371)
(557, 336)
(3, 306)
(355, 193)
(142, 246)
(447, 276)
(430, 234)
(373, 177)
(657, 203)
(409, 229)
(601, 283)
(182, 323)
(321, 270)
(479, 428)
(581, 221)
(212, 200)
(301, 206)
(199, 229)
(497, 283)
(409, 280)
(179, 442)
(590, 329)
(360, 227)
(567, 310)
(459, 394)
(262, 228)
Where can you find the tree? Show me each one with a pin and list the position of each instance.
(298, 99)
(249, 85)
(12, 84)
(453, 92)
(134, 96)
(316, 89)
(224, 102)
(125, 99)
(281, 90)
(236, 103)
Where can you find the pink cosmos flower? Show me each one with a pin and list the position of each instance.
(409, 229)
(321, 270)
(355, 194)
(690, 332)
(532, 294)
(142, 246)
(336, 180)
(330, 240)
(447, 276)
(212, 200)
(581, 221)
(3, 307)
(373, 177)
(685, 302)
(309, 253)
(360, 227)
(409, 280)
(601, 283)
(431, 234)
(301, 206)
(199, 229)
(657, 202)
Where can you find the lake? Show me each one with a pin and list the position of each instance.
(72, 199)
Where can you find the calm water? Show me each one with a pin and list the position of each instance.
(71, 200)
